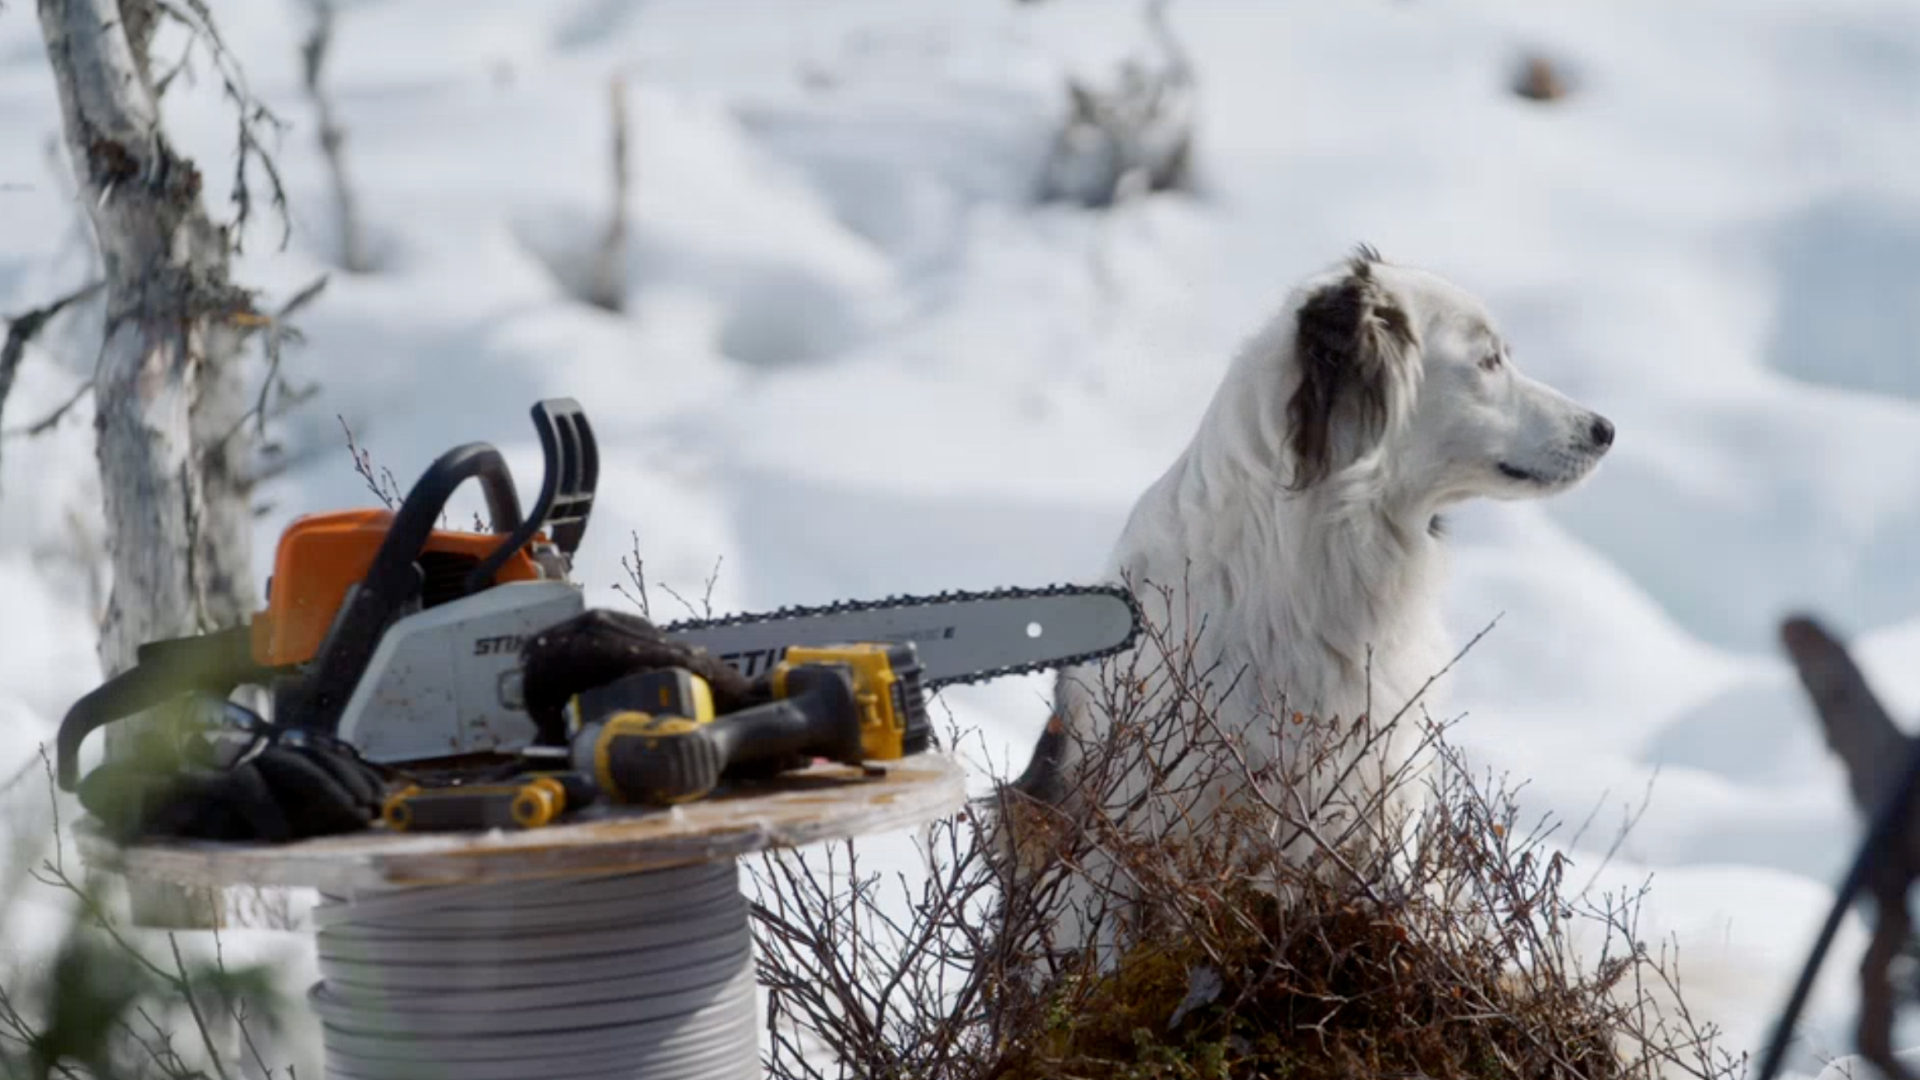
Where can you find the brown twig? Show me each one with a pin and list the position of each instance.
(383, 486)
(636, 569)
(705, 610)
(184, 983)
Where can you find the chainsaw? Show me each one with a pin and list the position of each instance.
(402, 640)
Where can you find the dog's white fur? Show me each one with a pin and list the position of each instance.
(1301, 580)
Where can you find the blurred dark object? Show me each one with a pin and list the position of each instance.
(211, 769)
(1539, 80)
(1131, 138)
(1883, 772)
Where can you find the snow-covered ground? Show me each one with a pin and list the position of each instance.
(857, 360)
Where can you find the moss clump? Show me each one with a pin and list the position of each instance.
(1316, 993)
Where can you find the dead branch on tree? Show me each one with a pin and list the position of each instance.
(313, 57)
(21, 330)
(277, 331)
(250, 150)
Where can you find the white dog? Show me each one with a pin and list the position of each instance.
(1298, 534)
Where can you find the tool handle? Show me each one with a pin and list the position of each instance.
(529, 805)
(566, 494)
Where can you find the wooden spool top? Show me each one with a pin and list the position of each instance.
(825, 802)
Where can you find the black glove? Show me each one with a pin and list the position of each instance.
(598, 646)
(280, 787)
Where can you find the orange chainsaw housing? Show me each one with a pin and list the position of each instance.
(321, 556)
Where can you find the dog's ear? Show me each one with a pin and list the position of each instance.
(1349, 339)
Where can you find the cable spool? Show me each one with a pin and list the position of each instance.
(587, 950)
(638, 976)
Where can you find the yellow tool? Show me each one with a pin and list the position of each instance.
(653, 737)
(526, 802)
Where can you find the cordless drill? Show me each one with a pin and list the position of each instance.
(653, 737)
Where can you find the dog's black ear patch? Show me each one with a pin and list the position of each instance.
(1346, 338)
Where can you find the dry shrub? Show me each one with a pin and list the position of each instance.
(1149, 929)
(1132, 137)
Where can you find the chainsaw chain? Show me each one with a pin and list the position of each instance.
(947, 597)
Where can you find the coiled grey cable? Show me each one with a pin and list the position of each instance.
(639, 976)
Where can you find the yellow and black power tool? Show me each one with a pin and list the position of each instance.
(653, 737)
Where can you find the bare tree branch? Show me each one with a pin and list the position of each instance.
(333, 137)
(21, 330)
(276, 332)
(252, 115)
(54, 416)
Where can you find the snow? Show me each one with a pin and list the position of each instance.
(856, 360)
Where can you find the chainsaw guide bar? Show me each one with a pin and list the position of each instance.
(962, 637)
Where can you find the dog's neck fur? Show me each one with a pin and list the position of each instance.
(1356, 550)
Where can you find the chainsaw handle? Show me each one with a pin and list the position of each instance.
(566, 493)
(215, 662)
(419, 513)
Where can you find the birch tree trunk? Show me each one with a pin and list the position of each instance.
(168, 387)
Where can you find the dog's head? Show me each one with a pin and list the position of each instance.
(1406, 375)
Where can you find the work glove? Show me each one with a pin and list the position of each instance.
(598, 646)
(212, 770)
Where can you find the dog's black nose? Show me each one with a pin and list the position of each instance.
(1602, 432)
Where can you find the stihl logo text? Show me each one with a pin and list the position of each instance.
(753, 661)
(501, 645)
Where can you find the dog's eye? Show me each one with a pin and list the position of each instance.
(1491, 362)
